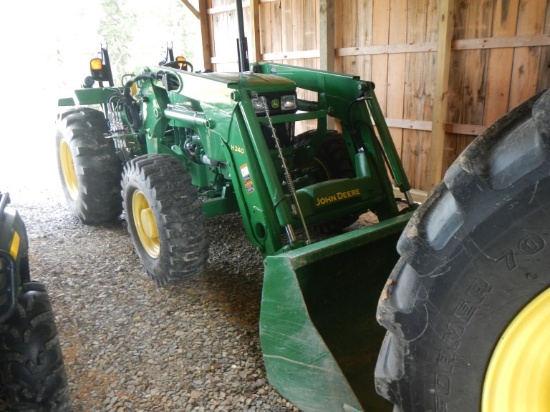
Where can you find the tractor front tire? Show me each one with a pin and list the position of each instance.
(467, 307)
(164, 218)
(88, 165)
(32, 372)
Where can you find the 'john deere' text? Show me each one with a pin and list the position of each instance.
(338, 196)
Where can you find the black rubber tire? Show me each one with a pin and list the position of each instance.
(177, 213)
(96, 197)
(472, 257)
(32, 372)
(333, 157)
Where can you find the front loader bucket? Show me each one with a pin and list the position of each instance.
(318, 330)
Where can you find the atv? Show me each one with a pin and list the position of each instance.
(32, 372)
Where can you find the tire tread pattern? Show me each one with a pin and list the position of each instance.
(502, 162)
(185, 251)
(32, 371)
(97, 166)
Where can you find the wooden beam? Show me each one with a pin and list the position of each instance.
(205, 34)
(387, 49)
(502, 42)
(191, 8)
(255, 53)
(427, 126)
(326, 34)
(409, 124)
(445, 12)
(461, 44)
(299, 54)
(465, 129)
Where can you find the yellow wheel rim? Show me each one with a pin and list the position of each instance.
(518, 378)
(146, 227)
(67, 167)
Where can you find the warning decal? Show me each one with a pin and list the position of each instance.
(247, 180)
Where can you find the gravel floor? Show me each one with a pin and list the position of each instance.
(131, 346)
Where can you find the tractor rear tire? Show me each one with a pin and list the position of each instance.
(164, 217)
(474, 265)
(88, 166)
(32, 372)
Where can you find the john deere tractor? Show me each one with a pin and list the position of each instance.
(170, 147)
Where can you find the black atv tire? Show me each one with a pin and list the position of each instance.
(88, 165)
(32, 372)
(473, 257)
(333, 158)
(164, 217)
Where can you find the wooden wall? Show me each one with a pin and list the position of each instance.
(499, 56)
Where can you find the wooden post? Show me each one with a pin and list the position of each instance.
(326, 33)
(437, 143)
(205, 34)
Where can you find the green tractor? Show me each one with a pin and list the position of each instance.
(32, 372)
(183, 146)
(171, 147)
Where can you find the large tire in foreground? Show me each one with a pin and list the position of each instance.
(88, 165)
(474, 273)
(32, 372)
(164, 218)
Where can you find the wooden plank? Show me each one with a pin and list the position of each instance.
(380, 35)
(386, 49)
(424, 125)
(502, 42)
(339, 29)
(276, 27)
(206, 35)
(500, 61)
(363, 37)
(465, 129)
(286, 32)
(531, 20)
(544, 70)
(326, 34)
(434, 171)
(298, 54)
(420, 75)
(310, 20)
(295, 28)
(268, 24)
(396, 76)
(349, 10)
(459, 44)
(506, 42)
(254, 53)
(427, 126)
(326, 42)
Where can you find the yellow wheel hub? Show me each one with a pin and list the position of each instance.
(518, 378)
(67, 167)
(146, 227)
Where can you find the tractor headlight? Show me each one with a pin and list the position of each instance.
(96, 65)
(288, 102)
(259, 104)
